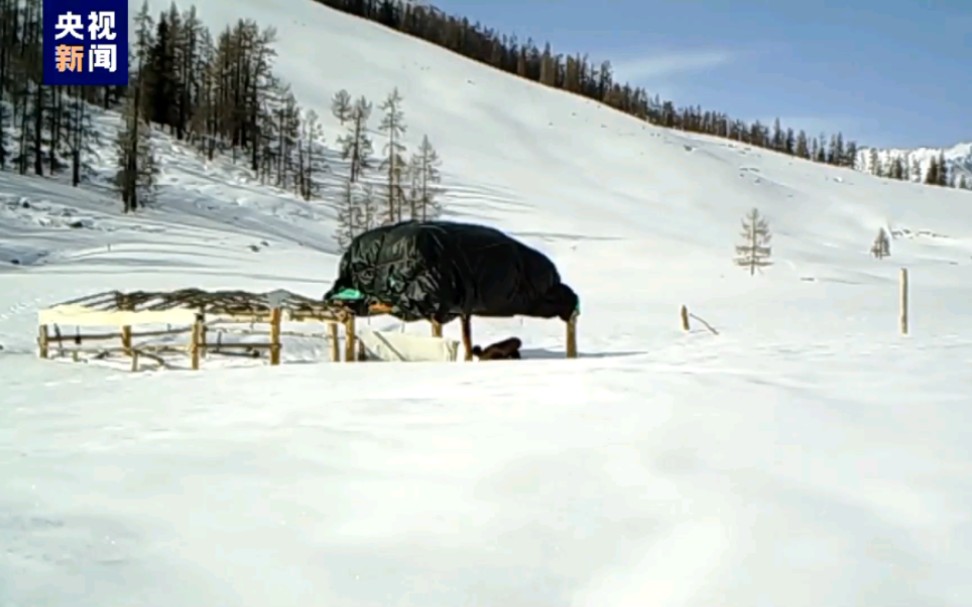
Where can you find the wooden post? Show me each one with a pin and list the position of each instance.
(60, 340)
(572, 336)
(126, 330)
(275, 316)
(685, 318)
(349, 339)
(126, 338)
(42, 341)
(134, 360)
(195, 343)
(332, 335)
(466, 336)
(904, 301)
(436, 329)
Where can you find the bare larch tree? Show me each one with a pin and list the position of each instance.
(341, 106)
(356, 146)
(882, 245)
(424, 180)
(755, 251)
(137, 168)
(393, 164)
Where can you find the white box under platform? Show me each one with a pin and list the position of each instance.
(388, 346)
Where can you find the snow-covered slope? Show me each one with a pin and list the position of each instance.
(806, 455)
(958, 159)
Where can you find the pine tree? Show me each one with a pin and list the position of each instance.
(874, 163)
(260, 84)
(348, 216)
(34, 106)
(311, 160)
(81, 138)
(779, 137)
(189, 44)
(159, 75)
(943, 172)
(7, 40)
(932, 175)
(356, 146)
(802, 145)
(393, 125)
(882, 245)
(850, 154)
(341, 106)
(963, 183)
(755, 252)
(204, 125)
(369, 207)
(836, 151)
(281, 152)
(820, 146)
(356, 211)
(424, 178)
(6, 117)
(144, 38)
(137, 166)
(898, 170)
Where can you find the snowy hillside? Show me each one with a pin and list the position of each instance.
(806, 456)
(958, 159)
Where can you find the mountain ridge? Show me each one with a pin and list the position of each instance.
(917, 161)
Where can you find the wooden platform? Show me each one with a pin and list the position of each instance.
(196, 312)
(191, 311)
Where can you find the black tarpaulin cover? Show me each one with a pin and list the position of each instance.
(439, 270)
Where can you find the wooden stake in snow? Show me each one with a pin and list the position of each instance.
(276, 316)
(904, 301)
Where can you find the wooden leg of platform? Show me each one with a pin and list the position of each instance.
(349, 341)
(275, 318)
(194, 344)
(466, 336)
(436, 329)
(572, 337)
(42, 341)
(332, 335)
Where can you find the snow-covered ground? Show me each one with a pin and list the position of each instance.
(807, 455)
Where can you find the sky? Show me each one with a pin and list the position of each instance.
(895, 73)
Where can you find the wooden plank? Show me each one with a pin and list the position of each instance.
(81, 316)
